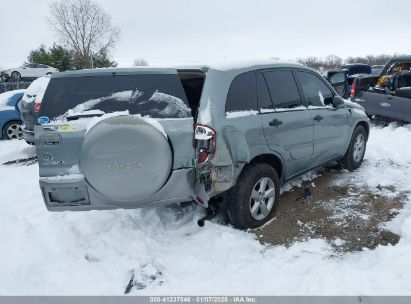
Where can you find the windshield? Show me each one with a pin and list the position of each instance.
(158, 96)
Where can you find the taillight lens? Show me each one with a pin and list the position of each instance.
(353, 89)
(204, 142)
(37, 107)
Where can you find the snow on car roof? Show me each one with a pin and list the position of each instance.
(229, 65)
(222, 66)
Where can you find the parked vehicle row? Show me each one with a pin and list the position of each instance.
(127, 138)
(388, 94)
(27, 71)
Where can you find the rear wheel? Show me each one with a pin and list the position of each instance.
(15, 75)
(356, 150)
(12, 130)
(254, 199)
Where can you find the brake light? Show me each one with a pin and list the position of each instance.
(353, 89)
(204, 143)
(37, 107)
(202, 156)
(199, 200)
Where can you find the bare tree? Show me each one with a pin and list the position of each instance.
(140, 62)
(333, 62)
(84, 27)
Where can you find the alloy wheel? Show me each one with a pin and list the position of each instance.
(262, 198)
(359, 148)
(14, 131)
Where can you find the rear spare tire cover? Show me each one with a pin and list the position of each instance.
(125, 159)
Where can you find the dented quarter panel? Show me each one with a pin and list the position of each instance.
(180, 135)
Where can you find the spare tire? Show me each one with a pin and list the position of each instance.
(125, 159)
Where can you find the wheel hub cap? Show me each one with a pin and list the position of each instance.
(359, 148)
(262, 198)
(14, 131)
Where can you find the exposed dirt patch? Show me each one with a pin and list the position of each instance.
(348, 217)
(22, 161)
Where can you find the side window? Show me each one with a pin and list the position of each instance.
(242, 95)
(316, 92)
(283, 89)
(264, 99)
(31, 65)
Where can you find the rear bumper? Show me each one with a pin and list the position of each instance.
(28, 135)
(75, 194)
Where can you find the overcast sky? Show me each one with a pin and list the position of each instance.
(177, 32)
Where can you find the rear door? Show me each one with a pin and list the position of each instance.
(338, 79)
(29, 70)
(330, 124)
(40, 70)
(69, 100)
(287, 124)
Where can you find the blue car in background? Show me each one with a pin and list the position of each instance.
(10, 121)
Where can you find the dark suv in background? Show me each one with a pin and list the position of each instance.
(127, 138)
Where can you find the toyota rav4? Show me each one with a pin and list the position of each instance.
(127, 138)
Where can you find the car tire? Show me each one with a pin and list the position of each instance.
(4, 78)
(13, 130)
(253, 200)
(16, 76)
(356, 150)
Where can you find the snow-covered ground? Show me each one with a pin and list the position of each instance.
(98, 252)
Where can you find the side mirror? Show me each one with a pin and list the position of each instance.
(338, 101)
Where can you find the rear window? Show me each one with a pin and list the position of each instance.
(155, 95)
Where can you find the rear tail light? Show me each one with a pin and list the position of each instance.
(37, 106)
(199, 200)
(353, 89)
(204, 143)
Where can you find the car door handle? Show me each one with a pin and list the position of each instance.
(275, 123)
(318, 118)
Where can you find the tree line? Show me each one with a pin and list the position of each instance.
(85, 36)
(335, 62)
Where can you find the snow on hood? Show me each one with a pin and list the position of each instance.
(353, 105)
(4, 100)
(5, 97)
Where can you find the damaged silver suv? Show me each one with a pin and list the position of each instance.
(127, 138)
